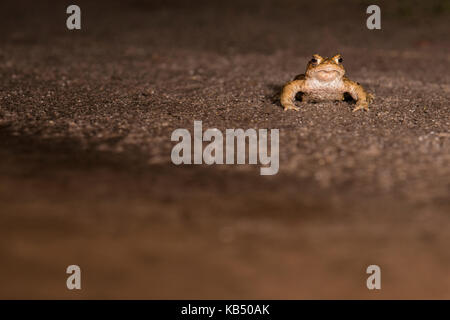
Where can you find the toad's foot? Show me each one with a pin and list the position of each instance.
(291, 106)
(288, 93)
(364, 105)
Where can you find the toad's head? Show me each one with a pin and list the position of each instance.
(325, 69)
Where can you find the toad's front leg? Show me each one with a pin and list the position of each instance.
(289, 92)
(358, 93)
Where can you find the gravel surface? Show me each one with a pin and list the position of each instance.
(86, 176)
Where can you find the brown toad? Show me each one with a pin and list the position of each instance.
(324, 80)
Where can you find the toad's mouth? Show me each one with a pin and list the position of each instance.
(327, 74)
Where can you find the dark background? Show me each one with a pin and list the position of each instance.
(85, 171)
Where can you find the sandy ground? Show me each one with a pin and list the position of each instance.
(85, 171)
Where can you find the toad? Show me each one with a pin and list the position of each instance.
(324, 80)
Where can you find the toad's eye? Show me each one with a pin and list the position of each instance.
(314, 60)
(340, 60)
